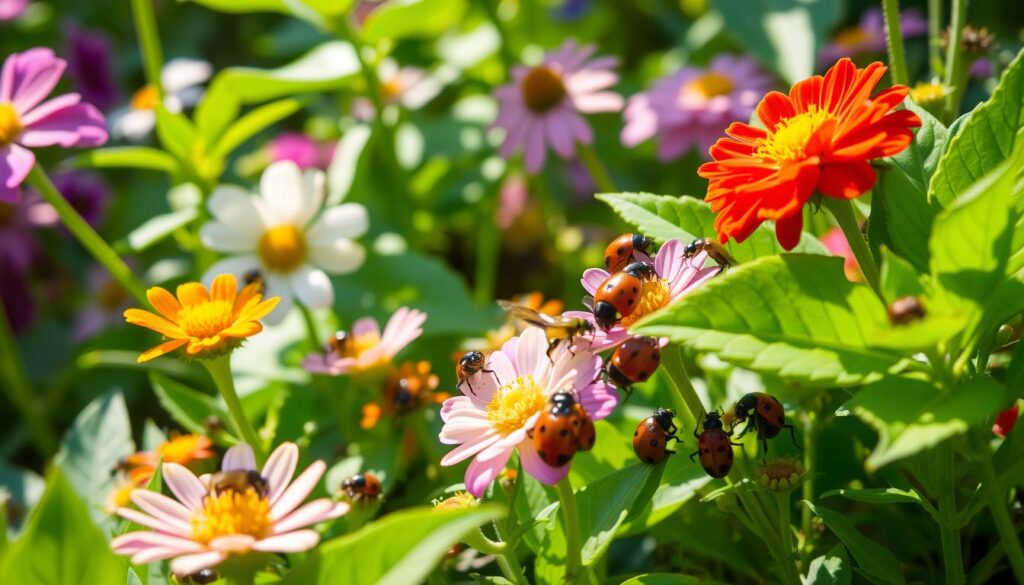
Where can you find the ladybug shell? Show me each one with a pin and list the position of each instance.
(620, 252)
(372, 488)
(554, 436)
(637, 358)
(585, 432)
(620, 290)
(650, 441)
(770, 415)
(715, 452)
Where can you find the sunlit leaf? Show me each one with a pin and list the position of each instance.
(412, 18)
(873, 558)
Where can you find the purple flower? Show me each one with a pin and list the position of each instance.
(19, 248)
(15, 296)
(542, 105)
(868, 36)
(108, 300)
(11, 9)
(28, 122)
(694, 106)
(86, 192)
(91, 65)
(982, 68)
(300, 149)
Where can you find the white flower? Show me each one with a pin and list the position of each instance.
(281, 234)
(182, 80)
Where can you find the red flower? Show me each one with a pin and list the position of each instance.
(1005, 421)
(819, 138)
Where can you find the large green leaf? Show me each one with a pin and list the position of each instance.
(605, 504)
(832, 568)
(325, 68)
(61, 546)
(131, 157)
(919, 160)
(157, 228)
(412, 18)
(986, 139)
(668, 579)
(254, 122)
(664, 217)
(681, 482)
(912, 415)
(400, 549)
(188, 407)
(314, 11)
(785, 35)
(795, 316)
(874, 559)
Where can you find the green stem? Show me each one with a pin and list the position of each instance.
(149, 42)
(19, 391)
(672, 361)
(842, 210)
(487, 249)
(952, 553)
(81, 229)
(955, 59)
(570, 516)
(220, 371)
(935, 36)
(490, 8)
(597, 169)
(810, 458)
(313, 340)
(785, 527)
(504, 553)
(1001, 517)
(894, 41)
(768, 535)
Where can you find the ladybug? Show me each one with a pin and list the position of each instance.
(620, 252)
(906, 310)
(619, 294)
(470, 364)
(361, 486)
(651, 437)
(765, 414)
(714, 446)
(560, 430)
(202, 577)
(713, 248)
(634, 360)
(586, 434)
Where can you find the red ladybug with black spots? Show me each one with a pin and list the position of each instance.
(634, 360)
(619, 295)
(651, 437)
(621, 251)
(714, 446)
(561, 430)
(361, 486)
(764, 414)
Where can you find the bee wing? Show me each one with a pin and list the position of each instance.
(527, 314)
(588, 302)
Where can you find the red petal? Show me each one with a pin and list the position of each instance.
(788, 229)
(774, 108)
(846, 181)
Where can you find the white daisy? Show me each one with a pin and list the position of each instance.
(282, 236)
(182, 80)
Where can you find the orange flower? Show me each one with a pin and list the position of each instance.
(180, 449)
(409, 388)
(209, 323)
(819, 138)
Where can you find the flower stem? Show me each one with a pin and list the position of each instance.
(1001, 517)
(894, 40)
(488, 248)
(785, 527)
(949, 531)
(842, 210)
(955, 59)
(935, 36)
(597, 169)
(508, 561)
(149, 42)
(504, 553)
(768, 535)
(810, 459)
(81, 229)
(570, 515)
(672, 361)
(19, 391)
(320, 382)
(220, 371)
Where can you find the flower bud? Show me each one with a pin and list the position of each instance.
(459, 501)
(780, 474)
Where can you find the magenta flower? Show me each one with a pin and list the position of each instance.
(868, 35)
(300, 149)
(692, 107)
(205, 523)
(542, 105)
(836, 243)
(11, 9)
(91, 66)
(490, 422)
(365, 348)
(677, 275)
(28, 122)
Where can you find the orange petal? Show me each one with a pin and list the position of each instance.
(259, 311)
(243, 329)
(371, 415)
(154, 322)
(163, 348)
(164, 302)
(192, 293)
(224, 288)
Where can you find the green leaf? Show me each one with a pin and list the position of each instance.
(342, 171)
(785, 35)
(157, 228)
(254, 122)
(188, 407)
(906, 215)
(899, 278)
(605, 504)
(412, 18)
(61, 546)
(402, 548)
(131, 157)
(794, 316)
(832, 568)
(325, 68)
(680, 483)
(176, 133)
(873, 558)
(876, 495)
(664, 217)
(986, 139)
(216, 110)
(912, 415)
(668, 579)
(531, 497)
(96, 442)
(314, 11)
(918, 161)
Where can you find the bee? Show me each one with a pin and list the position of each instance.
(713, 248)
(341, 344)
(557, 329)
(238, 480)
(470, 364)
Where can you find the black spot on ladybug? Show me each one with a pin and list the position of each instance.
(563, 459)
(721, 449)
(635, 290)
(542, 456)
(620, 250)
(654, 442)
(729, 454)
(608, 287)
(629, 302)
(543, 429)
(636, 432)
(767, 407)
(563, 433)
(607, 259)
(643, 375)
(707, 469)
(654, 355)
(634, 354)
(576, 423)
(781, 421)
(723, 470)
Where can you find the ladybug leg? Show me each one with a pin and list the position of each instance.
(551, 347)
(493, 373)
(744, 430)
(764, 443)
(694, 454)
(792, 434)
(670, 452)
(468, 383)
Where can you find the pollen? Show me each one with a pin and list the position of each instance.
(232, 512)
(789, 141)
(283, 248)
(513, 404)
(10, 124)
(147, 98)
(542, 89)
(655, 295)
(707, 86)
(206, 320)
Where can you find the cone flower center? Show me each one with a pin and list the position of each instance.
(707, 86)
(232, 512)
(513, 404)
(206, 320)
(542, 89)
(10, 124)
(654, 295)
(283, 248)
(147, 98)
(791, 136)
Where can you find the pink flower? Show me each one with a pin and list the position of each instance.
(542, 105)
(512, 200)
(868, 35)
(203, 524)
(836, 243)
(491, 421)
(364, 348)
(28, 122)
(677, 275)
(11, 9)
(300, 149)
(693, 106)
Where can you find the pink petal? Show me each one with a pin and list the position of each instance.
(598, 102)
(232, 543)
(15, 164)
(155, 553)
(291, 542)
(312, 513)
(189, 564)
(558, 136)
(593, 278)
(599, 399)
(481, 472)
(239, 457)
(590, 80)
(669, 260)
(151, 522)
(580, 129)
(530, 354)
(29, 77)
(298, 490)
(136, 541)
(163, 508)
(402, 328)
(279, 469)
(365, 325)
(184, 485)
(76, 125)
(535, 466)
(535, 150)
(468, 449)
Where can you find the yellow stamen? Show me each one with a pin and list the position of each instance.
(460, 501)
(283, 248)
(513, 404)
(10, 124)
(789, 140)
(232, 512)
(542, 89)
(707, 86)
(147, 98)
(851, 37)
(207, 319)
(655, 294)
(120, 496)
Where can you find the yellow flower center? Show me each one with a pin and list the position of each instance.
(120, 496)
(654, 295)
(10, 124)
(229, 513)
(926, 93)
(707, 86)
(147, 98)
(207, 319)
(180, 449)
(513, 404)
(391, 89)
(112, 295)
(542, 89)
(283, 248)
(851, 37)
(789, 140)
